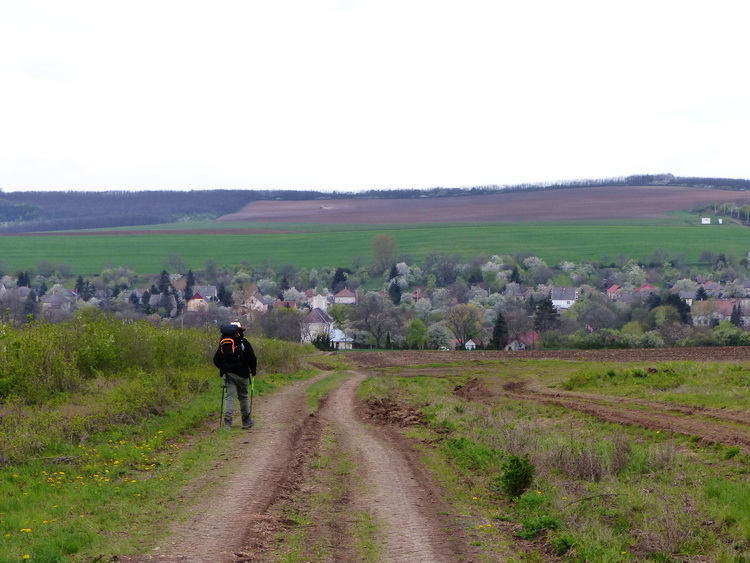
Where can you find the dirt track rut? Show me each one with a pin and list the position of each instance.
(396, 490)
(216, 529)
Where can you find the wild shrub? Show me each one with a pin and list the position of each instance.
(519, 438)
(579, 458)
(675, 521)
(662, 456)
(517, 476)
(588, 465)
(620, 453)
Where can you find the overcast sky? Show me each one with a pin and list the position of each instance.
(368, 94)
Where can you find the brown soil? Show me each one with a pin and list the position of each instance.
(613, 202)
(414, 358)
(154, 232)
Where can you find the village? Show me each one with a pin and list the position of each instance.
(441, 304)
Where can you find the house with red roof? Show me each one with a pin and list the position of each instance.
(345, 297)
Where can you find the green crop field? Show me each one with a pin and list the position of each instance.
(334, 246)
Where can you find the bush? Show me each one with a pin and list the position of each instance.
(518, 474)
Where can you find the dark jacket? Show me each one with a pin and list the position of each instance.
(248, 363)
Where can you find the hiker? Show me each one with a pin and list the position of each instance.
(236, 361)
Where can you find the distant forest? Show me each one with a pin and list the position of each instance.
(24, 212)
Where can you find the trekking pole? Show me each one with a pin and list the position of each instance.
(252, 388)
(223, 392)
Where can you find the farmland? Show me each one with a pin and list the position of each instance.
(583, 224)
(338, 246)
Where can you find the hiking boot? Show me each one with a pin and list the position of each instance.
(227, 423)
(247, 422)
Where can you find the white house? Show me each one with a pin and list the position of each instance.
(339, 340)
(563, 297)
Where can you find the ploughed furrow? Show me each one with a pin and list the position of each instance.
(710, 425)
(726, 415)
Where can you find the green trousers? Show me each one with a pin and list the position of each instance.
(237, 388)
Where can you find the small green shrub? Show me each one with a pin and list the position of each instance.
(518, 473)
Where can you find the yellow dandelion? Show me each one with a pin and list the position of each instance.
(481, 525)
(27, 556)
(565, 498)
(472, 498)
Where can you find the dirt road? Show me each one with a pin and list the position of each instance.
(397, 489)
(238, 518)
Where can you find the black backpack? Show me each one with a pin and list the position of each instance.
(230, 349)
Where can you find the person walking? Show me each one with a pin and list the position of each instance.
(237, 363)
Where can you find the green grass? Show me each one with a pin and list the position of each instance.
(338, 245)
(715, 385)
(94, 428)
(110, 494)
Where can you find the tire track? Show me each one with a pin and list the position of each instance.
(709, 424)
(263, 457)
(397, 490)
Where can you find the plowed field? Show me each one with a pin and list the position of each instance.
(616, 202)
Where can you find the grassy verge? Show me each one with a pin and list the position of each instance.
(103, 423)
(598, 492)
